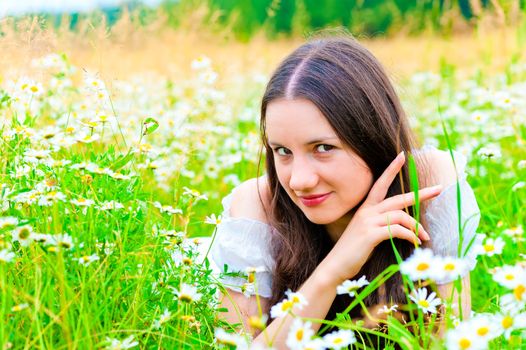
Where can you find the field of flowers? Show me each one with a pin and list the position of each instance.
(104, 187)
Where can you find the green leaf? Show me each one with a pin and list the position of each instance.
(149, 126)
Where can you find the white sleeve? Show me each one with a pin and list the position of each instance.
(242, 243)
(443, 219)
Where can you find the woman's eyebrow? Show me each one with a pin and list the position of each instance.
(316, 140)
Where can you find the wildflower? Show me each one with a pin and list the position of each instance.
(195, 194)
(257, 322)
(19, 307)
(6, 255)
(419, 265)
(119, 176)
(82, 202)
(63, 240)
(510, 321)
(165, 317)
(186, 293)
(86, 260)
(201, 62)
(299, 334)
(448, 268)
(351, 287)
(8, 222)
(520, 184)
(36, 156)
(489, 152)
(111, 205)
(387, 310)
(228, 339)
(514, 232)
(509, 276)
(491, 246)
(286, 306)
(50, 198)
(115, 344)
(23, 235)
(339, 339)
(213, 220)
(515, 300)
(464, 338)
(424, 302)
(167, 208)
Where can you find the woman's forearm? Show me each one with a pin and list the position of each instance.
(319, 290)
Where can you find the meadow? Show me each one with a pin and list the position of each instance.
(116, 149)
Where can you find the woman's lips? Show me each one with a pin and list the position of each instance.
(310, 201)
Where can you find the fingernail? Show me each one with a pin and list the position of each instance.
(437, 187)
(401, 154)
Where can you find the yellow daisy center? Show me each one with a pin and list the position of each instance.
(337, 341)
(299, 335)
(464, 343)
(489, 247)
(507, 322)
(449, 267)
(423, 303)
(422, 266)
(482, 331)
(519, 291)
(509, 277)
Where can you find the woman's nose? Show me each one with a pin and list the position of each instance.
(303, 176)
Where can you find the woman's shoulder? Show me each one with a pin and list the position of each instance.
(438, 167)
(251, 200)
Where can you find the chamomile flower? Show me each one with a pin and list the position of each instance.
(490, 152)
(86, 260)
(213, 220)
(491, 246)
(510, 276)
(299, 334)
(167, 208)
(510, 321)
(186, 293)
(82, 202)
(115, 344)
(8, 222)
(229, 339)
(464, 338)
(286, 306)
(388, 310)
(163, 318)
(23, 235)
(448, 268)
(351, 287)
(19, 307)
(6, 255)
(427, 304)
(62, 241)
(419, 265)
(339, 339)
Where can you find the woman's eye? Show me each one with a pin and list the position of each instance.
(324, 148)
(281, 151)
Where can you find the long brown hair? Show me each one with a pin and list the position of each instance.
(350, 87)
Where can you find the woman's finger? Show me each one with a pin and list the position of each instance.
(402, 218)
(406, 200)
(398, 231)
(381, 186)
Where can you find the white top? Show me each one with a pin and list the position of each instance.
(241, 242)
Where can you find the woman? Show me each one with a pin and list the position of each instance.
(335, 189)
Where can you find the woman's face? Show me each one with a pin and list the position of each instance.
(321, 175)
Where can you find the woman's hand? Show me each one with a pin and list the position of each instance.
(376, 220)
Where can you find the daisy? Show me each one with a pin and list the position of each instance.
(195, 194)
(257, 322)
(23, 235)
(228, 339)
(186, 293)
(424, 302)
(19, 307)
(448, 268)
(6, 255)
(299, 334)
(111, 205)
(484, 327)
(165, 317)
(511, 321)
(82, 202)
(115, 344)
(61, 241)
(86, 260)
(167, 208)
(491, 246)
(213, 220)
(509, 276)
(8, 222)
(463, 338)
(351, 287)
(296, 298)
(419, 265)
(339, 339)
